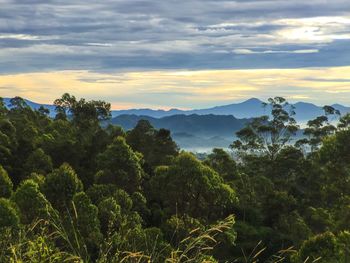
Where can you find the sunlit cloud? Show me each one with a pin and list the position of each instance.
(315, 29)
(183, 89)
(299, 51)
(26, 37)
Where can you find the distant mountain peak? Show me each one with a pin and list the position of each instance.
(253, 100)
(246, 109)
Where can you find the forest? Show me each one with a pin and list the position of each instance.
(73, 190)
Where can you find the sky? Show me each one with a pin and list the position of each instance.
(183, 54)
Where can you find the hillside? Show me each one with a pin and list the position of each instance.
(72, 190)
(191, 131)
(247, 109)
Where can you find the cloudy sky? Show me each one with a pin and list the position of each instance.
(167, 53)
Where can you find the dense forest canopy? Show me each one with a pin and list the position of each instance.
(72, 190)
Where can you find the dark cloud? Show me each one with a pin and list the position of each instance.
(153, 34)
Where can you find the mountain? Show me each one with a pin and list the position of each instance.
(247, 109)
(191, 131)
(34, 106)
(203, 125)
(148, 112)
(202, 129)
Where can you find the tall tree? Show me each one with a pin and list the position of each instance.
(189, 187)
(121, 166)
(61, 185)
(268, 134)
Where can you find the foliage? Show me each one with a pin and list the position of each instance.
(189, 187)
(73, 189)
(6, 185)
(8, 215)
(270, 133)
(61, 185)
(31, 203)
(120, 165)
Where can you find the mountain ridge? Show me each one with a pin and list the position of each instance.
(190, 131)
(246, 109)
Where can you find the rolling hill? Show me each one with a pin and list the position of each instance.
(191, 131)
(247, 109)
(203, 128)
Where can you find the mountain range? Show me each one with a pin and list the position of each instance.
(202, 129)
(194, 132)
(246, 109)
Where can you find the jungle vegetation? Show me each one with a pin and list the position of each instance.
(72, 190)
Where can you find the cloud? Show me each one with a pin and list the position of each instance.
(25, 37)
(143, 34)
(249, 52)
(182, 89)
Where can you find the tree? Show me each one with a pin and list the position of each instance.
(61, 143)
(61, 185)
(31, 202)
(38, 162)
(222, 163)
(344, 122)
(140, 205)
(85, 118)
(319, 128)
(3, 108)
(8, 142)
(99, 192)
(149, 241)
(177, 229)
(322, 248)
(156, 146)
(8, 215)
(268, 134)
(84, 113)
(87, 222)
(6, 185)
(109, 213)
(189, 187)
(18, 103)
(120, 165)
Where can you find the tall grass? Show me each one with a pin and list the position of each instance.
(39, 242)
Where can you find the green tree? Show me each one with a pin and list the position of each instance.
(38, 162)
(140, 205)
(344, 122)
(109, 213)
(8, 142)
(189, 187)
(177, 229)
(8, 215)
(6, 185)
(120, 165)
(157, 146)
(319, 128)
(61, 185)
(87, 222)
(268, 134)
(99, 192)
(84, 113)
(3, 108)
(223, 164)
(31, 202)
(322, 248)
